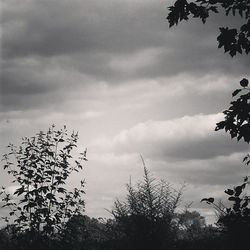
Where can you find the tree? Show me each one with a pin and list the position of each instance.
(233, 40)
(83, 232)
(235, 219)
(194, 234)
(41, 205)
(191, 222)
(145, 220)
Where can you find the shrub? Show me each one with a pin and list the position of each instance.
(145, 220)
(41, 205)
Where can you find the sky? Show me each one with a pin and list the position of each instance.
(113, 71)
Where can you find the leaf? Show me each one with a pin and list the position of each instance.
(220, 125)
(208, 200)
(236, 92)
(50, 153)
(245, 203)
(19, 191)
(238, 190)
(5, 166)
(229, 191)
(244, 82)
(61, 190)
(50, 196)
(233, 199)
(245, 158)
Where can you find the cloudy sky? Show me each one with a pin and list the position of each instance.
(115, 72)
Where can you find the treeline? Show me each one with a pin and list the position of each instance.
(150, 217)
(147, 219)
(87, 233)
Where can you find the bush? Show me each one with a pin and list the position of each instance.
(41, 205)
(145, 220)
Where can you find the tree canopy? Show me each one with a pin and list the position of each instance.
(233, 40)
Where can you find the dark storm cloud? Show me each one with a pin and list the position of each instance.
(61, 27)
(108, 29)
(24, 83)
(111, 41)
(23, 88)
(113, 68)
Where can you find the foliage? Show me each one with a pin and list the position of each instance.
(41, 205)
(7, 235)
(233, 40)
(83, 232)
(239, 213)
(205, 238)
(235, 220)
(190, 223)
(145, 220)
(237, 123)
(237, 116)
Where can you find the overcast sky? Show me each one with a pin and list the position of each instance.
(115, 72)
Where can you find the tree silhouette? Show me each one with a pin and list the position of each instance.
(145, 220)
(235, 220)
(233, 40)
(83, 232)
(41, 205)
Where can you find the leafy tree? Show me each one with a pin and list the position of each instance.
(41, 205)
(191, 222)
(233, 40)
(83, 232)
(235, 219)
(194, 234)
(145, 220)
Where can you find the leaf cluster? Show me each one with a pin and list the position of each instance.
(40, 167)
(234, 220)
(237, 116)
(233, 40)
